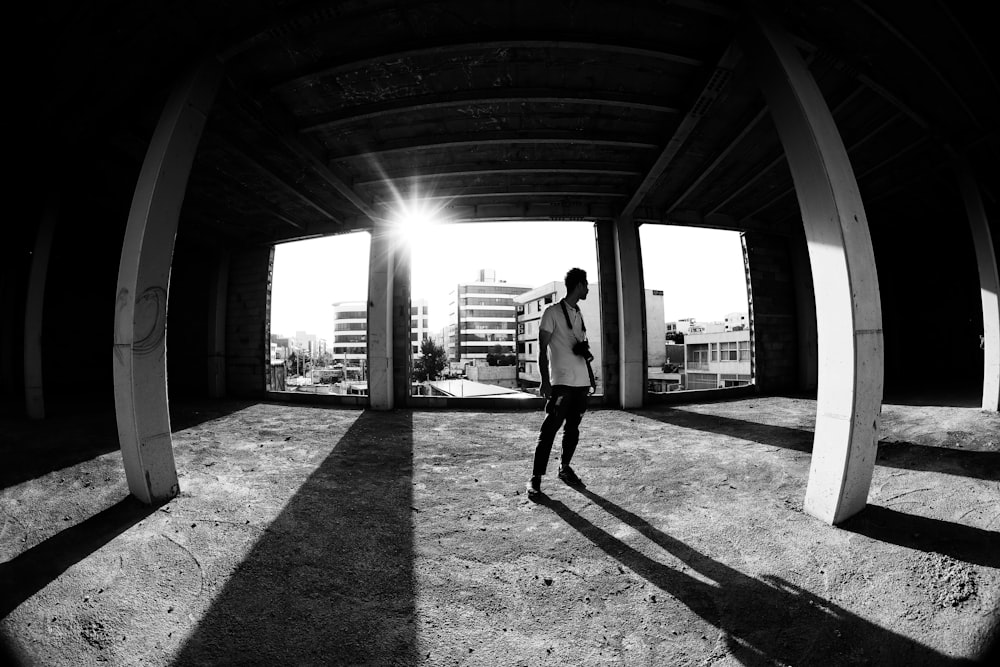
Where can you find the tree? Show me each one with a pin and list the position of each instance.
(496, 357)
(432, 363)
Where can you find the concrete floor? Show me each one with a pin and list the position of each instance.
(317, 536)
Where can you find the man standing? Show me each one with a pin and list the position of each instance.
(567, 379)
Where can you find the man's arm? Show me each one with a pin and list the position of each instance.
(544, 337)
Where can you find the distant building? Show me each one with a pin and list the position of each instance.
(350, 331)
(736, 321)
(419, 326)
(350, 335)
(481, 317)
(717, 359)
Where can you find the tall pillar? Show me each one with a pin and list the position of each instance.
(34, 306)
(217, 295)
(986, 260)
(848, 309)
(402, 363)
(140, 369)
(607, 278)
(632, 338)
(381, 267)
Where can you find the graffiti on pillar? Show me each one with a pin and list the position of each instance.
(150, 320)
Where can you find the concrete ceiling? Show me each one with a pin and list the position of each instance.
(332, 112)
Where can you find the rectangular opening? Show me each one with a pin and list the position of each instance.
(697, 310)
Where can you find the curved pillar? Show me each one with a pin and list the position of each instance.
(140, 370)
(631, 331)
(381, 267)
(989, 283)
(848, 309)
(33, 308)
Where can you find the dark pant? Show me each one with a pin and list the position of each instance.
(565, 408)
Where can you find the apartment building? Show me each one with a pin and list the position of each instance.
(350, 330)
(717, 359)
(481, 315)
(350, 333)
(419, 325)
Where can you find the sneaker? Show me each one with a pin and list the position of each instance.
(534, 487)
(567, 475)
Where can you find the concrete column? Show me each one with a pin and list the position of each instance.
(607, 268)
(986, 260)
(402, 363)
(34, 306)
(140, 370)
(217, 295)
(631, 315)
(381, 267)
(848, 309)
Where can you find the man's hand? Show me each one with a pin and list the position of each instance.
(545, 389)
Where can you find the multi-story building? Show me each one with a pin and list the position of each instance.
(736, 321)
(350, 334)
(419, 325)
(481, 316)
(350, 330)
(717, 359)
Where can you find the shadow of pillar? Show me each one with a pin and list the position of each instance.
(331, 581)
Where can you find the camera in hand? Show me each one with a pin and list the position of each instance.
(581, 348)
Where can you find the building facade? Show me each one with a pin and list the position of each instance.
(717, 359)
(482, 316)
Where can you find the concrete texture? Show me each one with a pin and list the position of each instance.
(332, 536)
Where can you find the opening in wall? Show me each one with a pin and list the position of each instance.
(477, 295)
(697, 313)
(319, 315)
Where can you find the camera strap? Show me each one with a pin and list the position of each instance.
(569, 324)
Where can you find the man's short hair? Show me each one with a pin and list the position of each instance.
(574, 277)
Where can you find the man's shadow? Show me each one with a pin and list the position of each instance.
(765, 620)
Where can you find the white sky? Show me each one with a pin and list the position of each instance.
(699, 270)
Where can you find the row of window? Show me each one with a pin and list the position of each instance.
(488, 289)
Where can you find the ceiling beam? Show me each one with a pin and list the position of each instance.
(528, 194)
(515, 171)
(337, 66)
(279, 124)
(761, 172)
(410, 105)
(717, 82)
(458, 140)
(248, 155)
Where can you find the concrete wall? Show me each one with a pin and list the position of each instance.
(247, 326)
(774, 339)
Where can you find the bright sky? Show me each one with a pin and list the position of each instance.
(699, 270)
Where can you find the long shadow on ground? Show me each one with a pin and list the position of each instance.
(903, 455)
(766, 620)
(331, 582)
(32, 570)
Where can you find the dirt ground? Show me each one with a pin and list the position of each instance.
(308, 535)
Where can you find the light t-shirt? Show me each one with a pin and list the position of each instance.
(565, 368)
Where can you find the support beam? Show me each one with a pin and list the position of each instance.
(632, 338)
(34, 306)
(848, 309)
(140, 364)
(381, 267)
(989, 283)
